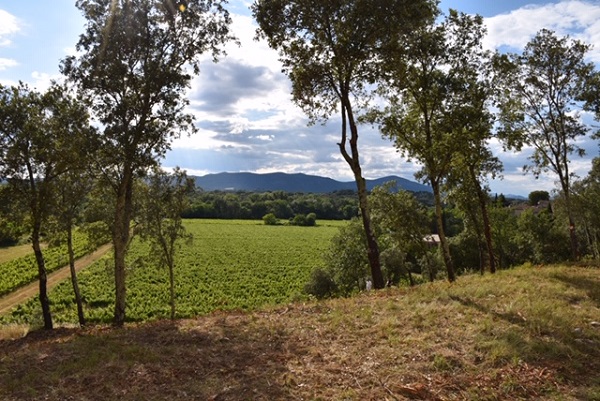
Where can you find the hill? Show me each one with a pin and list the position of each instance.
(292, 183)
(527, 333)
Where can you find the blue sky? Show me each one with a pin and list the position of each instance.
(242, 104)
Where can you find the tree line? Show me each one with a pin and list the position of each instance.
(443, 99)
(338, 205)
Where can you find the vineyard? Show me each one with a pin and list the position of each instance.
(23, 270)
(230, 265)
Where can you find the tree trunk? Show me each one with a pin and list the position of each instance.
(42, 275)
(372, 246)
(76, 291)
(572, 232)
(353, 161)
(172, 289)
(440, 225)
(487, 230)
(121, 242)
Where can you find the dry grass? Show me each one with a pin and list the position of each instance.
(522, 334)
(13, 252)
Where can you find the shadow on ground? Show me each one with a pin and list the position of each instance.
(228, 360)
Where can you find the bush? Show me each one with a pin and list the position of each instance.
(270, 219)
(304, 221)
(347, 260)
(9, 233)
(321, 284)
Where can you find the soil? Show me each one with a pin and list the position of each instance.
(30, 290)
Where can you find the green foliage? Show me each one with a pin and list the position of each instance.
(504, 232)
(587, 209)
(321, 284)
(23, 270)
(10, 232)
(466, 248)
(341, 205)
(304, 221)
(232, 265)
(163, 200)
(270, 219)
(135, 61)
(346, 258)
(536, 196)
(541, 239)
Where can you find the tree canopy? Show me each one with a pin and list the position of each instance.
(135, 64)
(332, 51)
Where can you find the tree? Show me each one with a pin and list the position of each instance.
(332, 50)
(586, 193)
(473, 161)
(536, 196)
(72, 190)
(402, 224)
(345, 260)
(429, 98)
(41, 138)
(161, 224)
(135, 61)
(504, 231)
(540, 91)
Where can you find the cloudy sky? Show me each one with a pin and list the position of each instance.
(242, 104)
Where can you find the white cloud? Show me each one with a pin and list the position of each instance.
(579, 19)
(9, 25)
(42, 80)
(7, 63)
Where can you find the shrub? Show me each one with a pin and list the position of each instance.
(304, 221)
(321, 284)
(346, 258)
(270, 219)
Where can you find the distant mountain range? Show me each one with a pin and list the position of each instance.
(293, 183)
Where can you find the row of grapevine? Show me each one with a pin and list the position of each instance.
(23, 270)
(231, 265)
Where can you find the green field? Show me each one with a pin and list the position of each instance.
(231, 264)
(22, 269)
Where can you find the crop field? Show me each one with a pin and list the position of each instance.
(230, 265)
(23, 270)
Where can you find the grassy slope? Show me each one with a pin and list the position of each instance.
(528, 333)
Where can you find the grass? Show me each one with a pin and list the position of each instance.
(14, 252)
(526, 333)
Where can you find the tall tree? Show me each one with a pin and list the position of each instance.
(71, 195)
(41, 138)
(332, 51)
(429, 100)
(135, 66)
(539, 96)
(587, 208)
(161, 224)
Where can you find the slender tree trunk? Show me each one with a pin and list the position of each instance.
(440, 225)
(487, 230)
(121, 242)
(76, 291)
(572, 231)
(411, 280)
(353, 161)
(42, 275)
(172, 288)
(372, 246)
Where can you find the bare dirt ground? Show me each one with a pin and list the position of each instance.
(24, 293)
